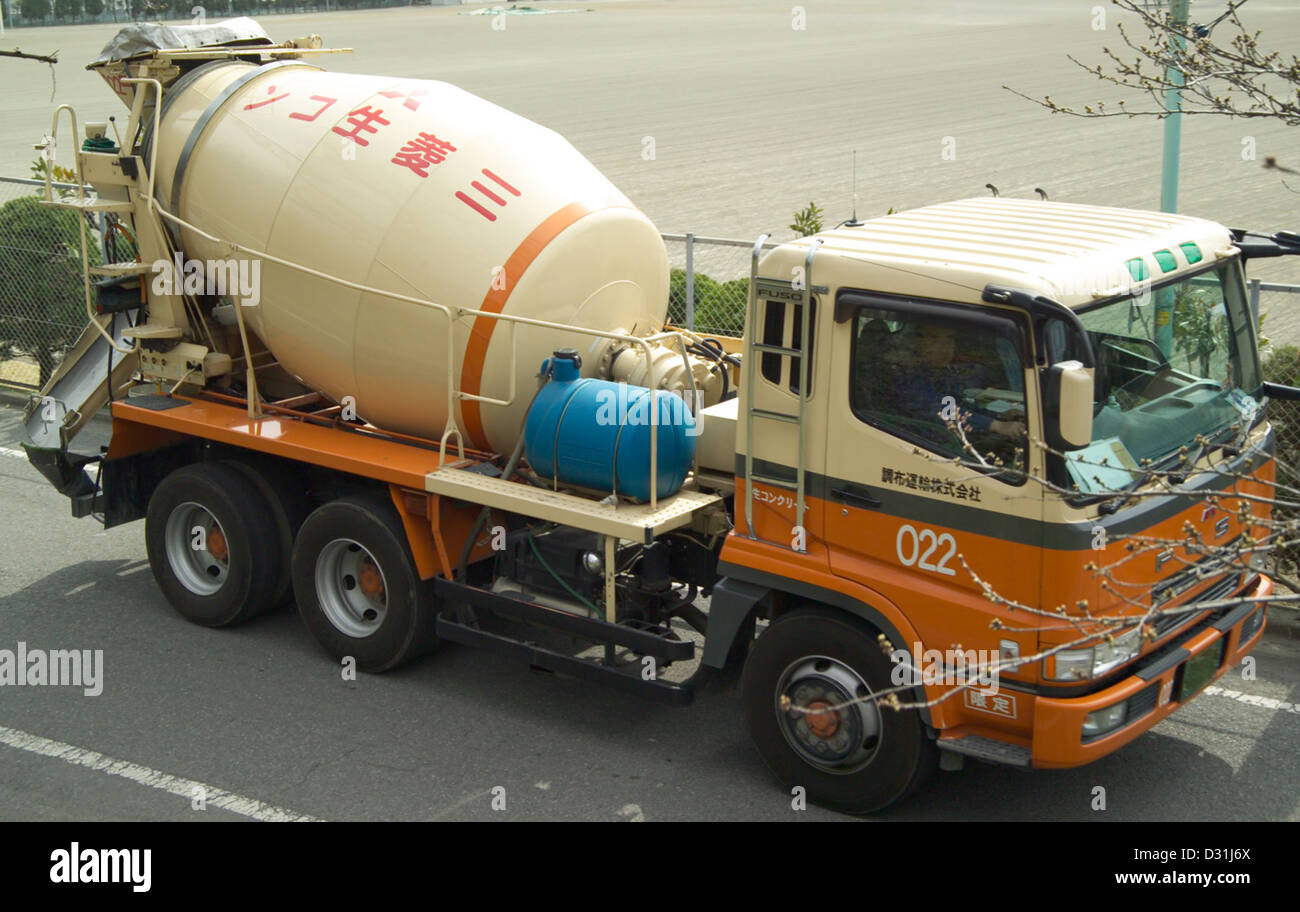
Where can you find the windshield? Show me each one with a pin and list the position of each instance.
(1173, 362)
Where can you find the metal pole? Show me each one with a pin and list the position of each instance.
(690, 281)
(1173, 104)
(1164, 309)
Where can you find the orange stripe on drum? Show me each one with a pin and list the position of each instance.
(471, 373)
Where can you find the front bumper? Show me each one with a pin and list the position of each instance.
(1152, 691)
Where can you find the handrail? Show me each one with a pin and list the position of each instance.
(81, 218)
(451, 429)
(157, 115)
(747, 387)
(805, 382)
(54, 132)
(725, 242)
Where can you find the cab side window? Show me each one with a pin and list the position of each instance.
(783, 327)
(932, 380)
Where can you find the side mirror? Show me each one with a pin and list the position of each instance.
(1067, 405)
(1283, 393)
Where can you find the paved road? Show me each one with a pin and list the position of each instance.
(261, 713)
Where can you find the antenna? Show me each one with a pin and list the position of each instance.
(853, 222)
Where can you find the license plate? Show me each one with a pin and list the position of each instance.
(1198, 671)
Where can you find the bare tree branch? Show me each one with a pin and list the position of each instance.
(1230, 77)
(43, 58)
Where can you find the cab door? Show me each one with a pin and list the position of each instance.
(912, 378)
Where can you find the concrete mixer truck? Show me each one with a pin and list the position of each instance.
(385, 350)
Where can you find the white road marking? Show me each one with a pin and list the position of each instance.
(143, 775)
(632, 813)
(461, 803)
(16, 454)
(1253, 699)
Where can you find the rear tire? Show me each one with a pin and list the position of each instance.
(287, 499)
(857, 759)
(357, 587)
(211, 540)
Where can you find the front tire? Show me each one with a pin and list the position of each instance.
(357, 587)
(211, 540)
(849, 754)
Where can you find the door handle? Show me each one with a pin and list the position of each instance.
(857, 497)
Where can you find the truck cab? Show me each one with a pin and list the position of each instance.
(1007, 482)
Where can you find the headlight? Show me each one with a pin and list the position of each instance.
(1103, 720)
(1081, 664)
(1112, 655)
(1073, 665)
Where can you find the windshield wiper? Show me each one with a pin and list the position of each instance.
(1121, 500)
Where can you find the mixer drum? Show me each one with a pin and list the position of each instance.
(416, 187)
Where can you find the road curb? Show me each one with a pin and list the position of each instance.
(1282, 623)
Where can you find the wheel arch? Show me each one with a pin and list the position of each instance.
(745, 590)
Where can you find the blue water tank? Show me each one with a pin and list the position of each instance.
(596, 433)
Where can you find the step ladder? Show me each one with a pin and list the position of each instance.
(107, 355)
(763, 289)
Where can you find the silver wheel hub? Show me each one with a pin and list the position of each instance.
(821, 711)
(351, 588)
(198, 551)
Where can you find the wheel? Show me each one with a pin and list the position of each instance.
(211, 539)
(856, 758)
(356, 585)
(285, 496)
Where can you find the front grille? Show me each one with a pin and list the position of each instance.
(1168, 623)
(1252, 625)
(1142, 703)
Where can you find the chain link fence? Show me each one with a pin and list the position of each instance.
(24, 13)
(1279, 309)
(709, 288)
(42, 301)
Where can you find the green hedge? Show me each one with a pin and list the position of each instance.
(719, 306)
(1283, 366)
